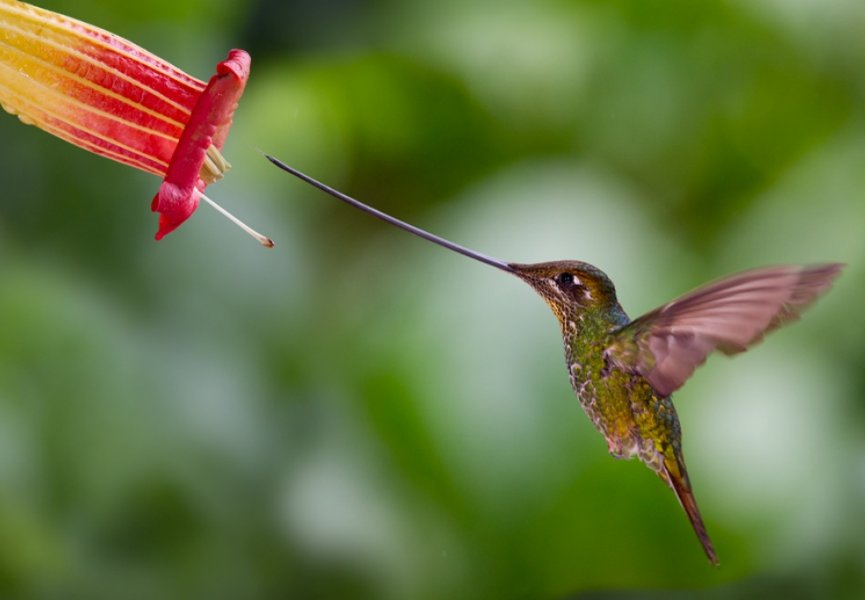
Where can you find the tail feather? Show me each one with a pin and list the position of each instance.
(677, 478)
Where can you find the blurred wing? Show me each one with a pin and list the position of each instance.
(667, 344)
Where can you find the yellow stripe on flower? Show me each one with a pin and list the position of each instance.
(92, 88)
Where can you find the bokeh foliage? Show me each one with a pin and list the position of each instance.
(358, 414)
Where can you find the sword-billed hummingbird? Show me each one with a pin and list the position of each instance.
(624, 371)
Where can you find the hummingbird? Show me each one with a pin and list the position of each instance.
(625, 371)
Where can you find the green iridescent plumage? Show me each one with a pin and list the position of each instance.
(624, 371)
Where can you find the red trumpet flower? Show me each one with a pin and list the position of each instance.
(105, 94)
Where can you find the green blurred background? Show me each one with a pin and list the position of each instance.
(358, 414)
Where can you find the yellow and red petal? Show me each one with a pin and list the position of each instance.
(111, 97)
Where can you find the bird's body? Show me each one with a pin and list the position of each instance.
(624, 372)
(633, 418)
(621, 405)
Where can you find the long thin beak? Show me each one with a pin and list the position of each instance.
(499, 264)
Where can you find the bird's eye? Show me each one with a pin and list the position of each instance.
(565, 279)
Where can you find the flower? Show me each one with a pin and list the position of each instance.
(103, 93)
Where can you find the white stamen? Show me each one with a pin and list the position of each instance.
(261, 239)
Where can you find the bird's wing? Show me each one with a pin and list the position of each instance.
(731, 314)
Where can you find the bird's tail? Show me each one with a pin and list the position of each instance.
(677, 479)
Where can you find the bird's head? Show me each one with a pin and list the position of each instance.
(569, 287)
